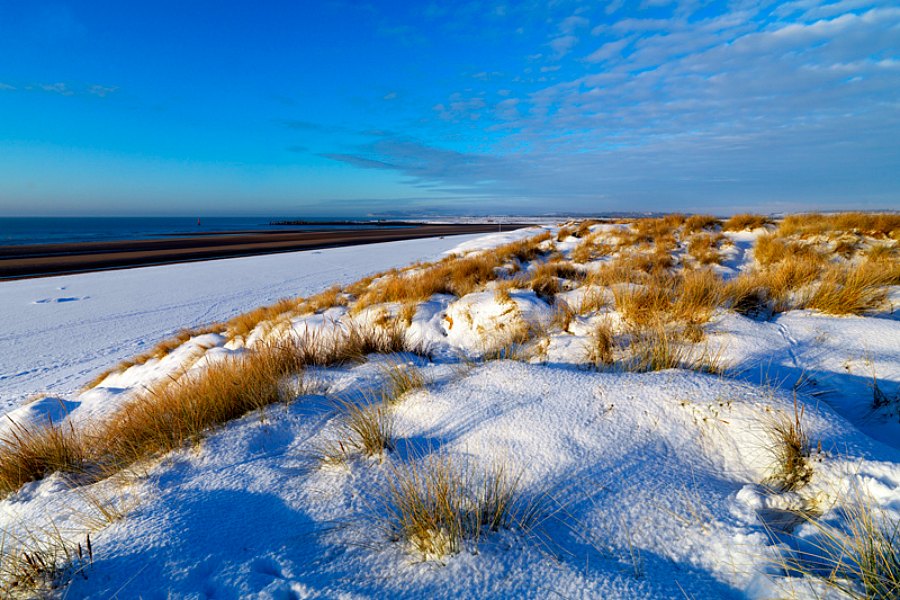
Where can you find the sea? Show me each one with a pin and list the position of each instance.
(17, 231)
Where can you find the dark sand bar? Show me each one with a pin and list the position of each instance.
(18, 262)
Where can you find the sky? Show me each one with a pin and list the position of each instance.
(341, 108)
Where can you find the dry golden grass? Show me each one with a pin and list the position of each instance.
(350, 343)
(859, 558)
(704, 247)
(656, 263)
(655, 347)
(882, 253)
(645, 304)
(364, 428)
(41, 564)
(747, 294)
(563, 233)
(590, 249)
(31, 454)
(845, 247)
(562, 315)
(243, 324)
(545, 278)
(791, 451)
(600, 351)
(584, 228)
(696, 223)
(438, 504)
(697, 295)
(613, 272)
(851, 289)
(400, 379)
(745, 221)
(884, 225)
(453, 275)
(324, 300)
(175, 413)
(771, 249)
(778, 288)
(592, 300)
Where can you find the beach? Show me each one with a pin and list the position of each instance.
(18, 262)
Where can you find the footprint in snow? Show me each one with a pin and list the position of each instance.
(60, 299)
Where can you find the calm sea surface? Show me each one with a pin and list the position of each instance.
(15, 231)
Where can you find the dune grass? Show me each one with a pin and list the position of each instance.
(696, 223)
(438, 504)
(29, 454)
(851, 289)
(39, 565)
(880, 225)
(364, 428)
(178, 412)
(790, 447)
(745, 222)
(858, 556)
(600, 350)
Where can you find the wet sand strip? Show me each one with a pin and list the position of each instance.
(19, 262)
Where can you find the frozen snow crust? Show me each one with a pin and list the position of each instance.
(650, 484)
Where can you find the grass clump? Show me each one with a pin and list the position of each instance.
(704, 247)
(40, 565)
(791, 449)
(696, 223)
(771, 249)
(174, 413)
(243, 324)
(438, 504)
(697, 295)
(400, 379)
(859, 556)
(364, 428)
(845, 290)
(602, 344)
(883, 225)
(746, 221)
(29, 454)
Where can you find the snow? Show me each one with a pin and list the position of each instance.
(650, 485)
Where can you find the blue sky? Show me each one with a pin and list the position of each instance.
(351, 108)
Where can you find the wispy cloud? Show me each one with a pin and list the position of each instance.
(63, 89)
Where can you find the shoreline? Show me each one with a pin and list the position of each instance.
(48, 260)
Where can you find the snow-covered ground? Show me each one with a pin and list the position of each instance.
(651, 485)
(59, 332)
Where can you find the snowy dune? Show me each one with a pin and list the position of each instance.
(649, 484)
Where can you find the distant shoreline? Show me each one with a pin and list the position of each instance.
(46, 260)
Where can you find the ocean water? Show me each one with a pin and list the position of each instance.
(17, 231)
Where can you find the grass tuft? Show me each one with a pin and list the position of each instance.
(791, 450)
(438, 504)
(364, 428)
(40, 565)
(858, 557)
(177, 412)
(31, 454)
(745, 221)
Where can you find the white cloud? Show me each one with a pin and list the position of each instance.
(562, 45)
(607, 51)
(570, 24)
